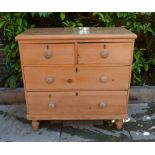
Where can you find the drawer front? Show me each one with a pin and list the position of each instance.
(47, 54)
(69, 103)
(77, 78)
(105, 53)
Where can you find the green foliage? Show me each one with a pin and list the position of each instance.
(12, 24)
(105, 19)
(135, 22)
(62, 15)
(140, 64)
(41, 14)
(70, 23)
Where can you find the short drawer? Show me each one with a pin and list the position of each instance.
(105, 53)
(47, 54)
(76, 78)
(77, 103)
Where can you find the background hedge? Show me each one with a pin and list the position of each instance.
(143, 24)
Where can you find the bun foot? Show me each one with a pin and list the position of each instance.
(35, 125)
(119, 124)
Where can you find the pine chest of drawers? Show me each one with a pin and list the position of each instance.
(76, 73)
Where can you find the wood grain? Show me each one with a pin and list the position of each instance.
(76, 33)
(85, 103)
(90, 53)
(35, 54)
(76, 117)
(83, 79)
(73, 40)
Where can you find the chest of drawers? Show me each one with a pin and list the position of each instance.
(76, 73)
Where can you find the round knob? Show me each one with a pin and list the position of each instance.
(52, 104)
(50, 79)
(48, 54)
(103, 104)
(104, 79)
(69, 80)
(104, 53)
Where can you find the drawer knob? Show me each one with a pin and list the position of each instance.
(103, 104)
(50, 79)
(104, 53)
(69, 80)
(104, 79)
(48, 54)
(52, 104)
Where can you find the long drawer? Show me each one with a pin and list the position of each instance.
(77, 103)
(105, 53)
(47, 54)
(76, 78)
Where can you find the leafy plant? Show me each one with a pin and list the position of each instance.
(12, 24)
(70, 23)
(105, 19)
(140, 64)
(41, 14)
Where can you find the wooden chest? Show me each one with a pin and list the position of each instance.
(76, 73)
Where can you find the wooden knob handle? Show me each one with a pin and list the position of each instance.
(52, 104)
(103, 104)
(48, 54)
(50, 79)
(104, 53)
(103, 79)
(69, 80)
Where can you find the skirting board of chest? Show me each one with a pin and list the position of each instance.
(76, 73)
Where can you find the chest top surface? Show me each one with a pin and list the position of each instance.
(76, 33)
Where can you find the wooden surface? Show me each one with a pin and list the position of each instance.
(86, 103)
(38, 54)
(77, 117)
(76, 73)
(78, 78)
(75, 33)
(91, 53)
